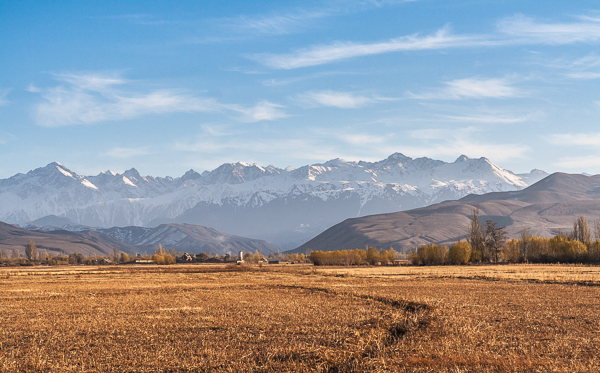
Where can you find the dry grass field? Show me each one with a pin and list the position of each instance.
(521, 318)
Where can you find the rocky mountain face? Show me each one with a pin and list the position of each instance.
(286, 207)
(545, 208)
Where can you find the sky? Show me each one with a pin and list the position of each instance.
(168, 86)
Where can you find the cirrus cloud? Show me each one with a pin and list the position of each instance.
(93, 98)
(515, 30)
(471, 88)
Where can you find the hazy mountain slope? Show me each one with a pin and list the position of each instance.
(544, 208)
(87, 243)
(286, 207)
(188, 238)
(181, 237)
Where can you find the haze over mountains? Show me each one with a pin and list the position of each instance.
(286, 207)
(59, 241)
(545, 209)
(101, 241)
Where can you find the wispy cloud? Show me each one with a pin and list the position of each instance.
(286, 81)
(342, 100)
(226, 148)
(591, 60)
(440, 143)
(295, 20)
(516, 30)
(323, 54)
(127, 152)
(527, 30)
(138, 19)
(587, 75)
(264, 110)
(3, 93)
(436, 142)
(584, 68)
(591, 161)
(276, 24)
(575, 139)
(92, 98)
(362, 139)
(491, 118)
(471, 88)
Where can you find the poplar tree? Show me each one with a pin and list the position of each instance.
(581, 230)
(476, 234)
(31, 251)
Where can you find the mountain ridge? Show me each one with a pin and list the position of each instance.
(545, 208)
(101, 241)
(284, 206)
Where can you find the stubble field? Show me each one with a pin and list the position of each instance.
(521, 318)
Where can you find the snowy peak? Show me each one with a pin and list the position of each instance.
(237, 173)
(396, 159)
(191, 175)
(325, 192)
(55, 169)
(338, 162)
(133, 175)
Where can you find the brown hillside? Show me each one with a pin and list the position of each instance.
(87, 243)
(545, 208)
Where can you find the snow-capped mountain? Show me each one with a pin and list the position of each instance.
(284, 206)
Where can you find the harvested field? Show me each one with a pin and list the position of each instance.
(522, 318)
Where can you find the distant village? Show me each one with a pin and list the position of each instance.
(162, 256)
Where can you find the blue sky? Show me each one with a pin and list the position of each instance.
(168, 86)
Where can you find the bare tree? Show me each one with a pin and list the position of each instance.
(476, 234)
(597, 229)
(31, 251)
(495, 238)
(116, 255)
(581, 230)
(16, 254)
(525, 244)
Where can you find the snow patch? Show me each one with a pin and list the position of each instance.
(86, 183)
(128, 182)
(64, 172)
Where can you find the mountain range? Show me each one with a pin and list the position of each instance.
(101, 241)
(545, 208)
(286, 207)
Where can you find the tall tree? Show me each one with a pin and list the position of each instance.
(597, 229)
(495, 238)
(581, 230)
(116, 254)
(476, 234)
(31, 251)
(525, 244)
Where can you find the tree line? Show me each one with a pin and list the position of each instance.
(370, 256)
(489, 243)
(33, 256)
(161, 256)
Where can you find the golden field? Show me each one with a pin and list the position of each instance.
(509, 318)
